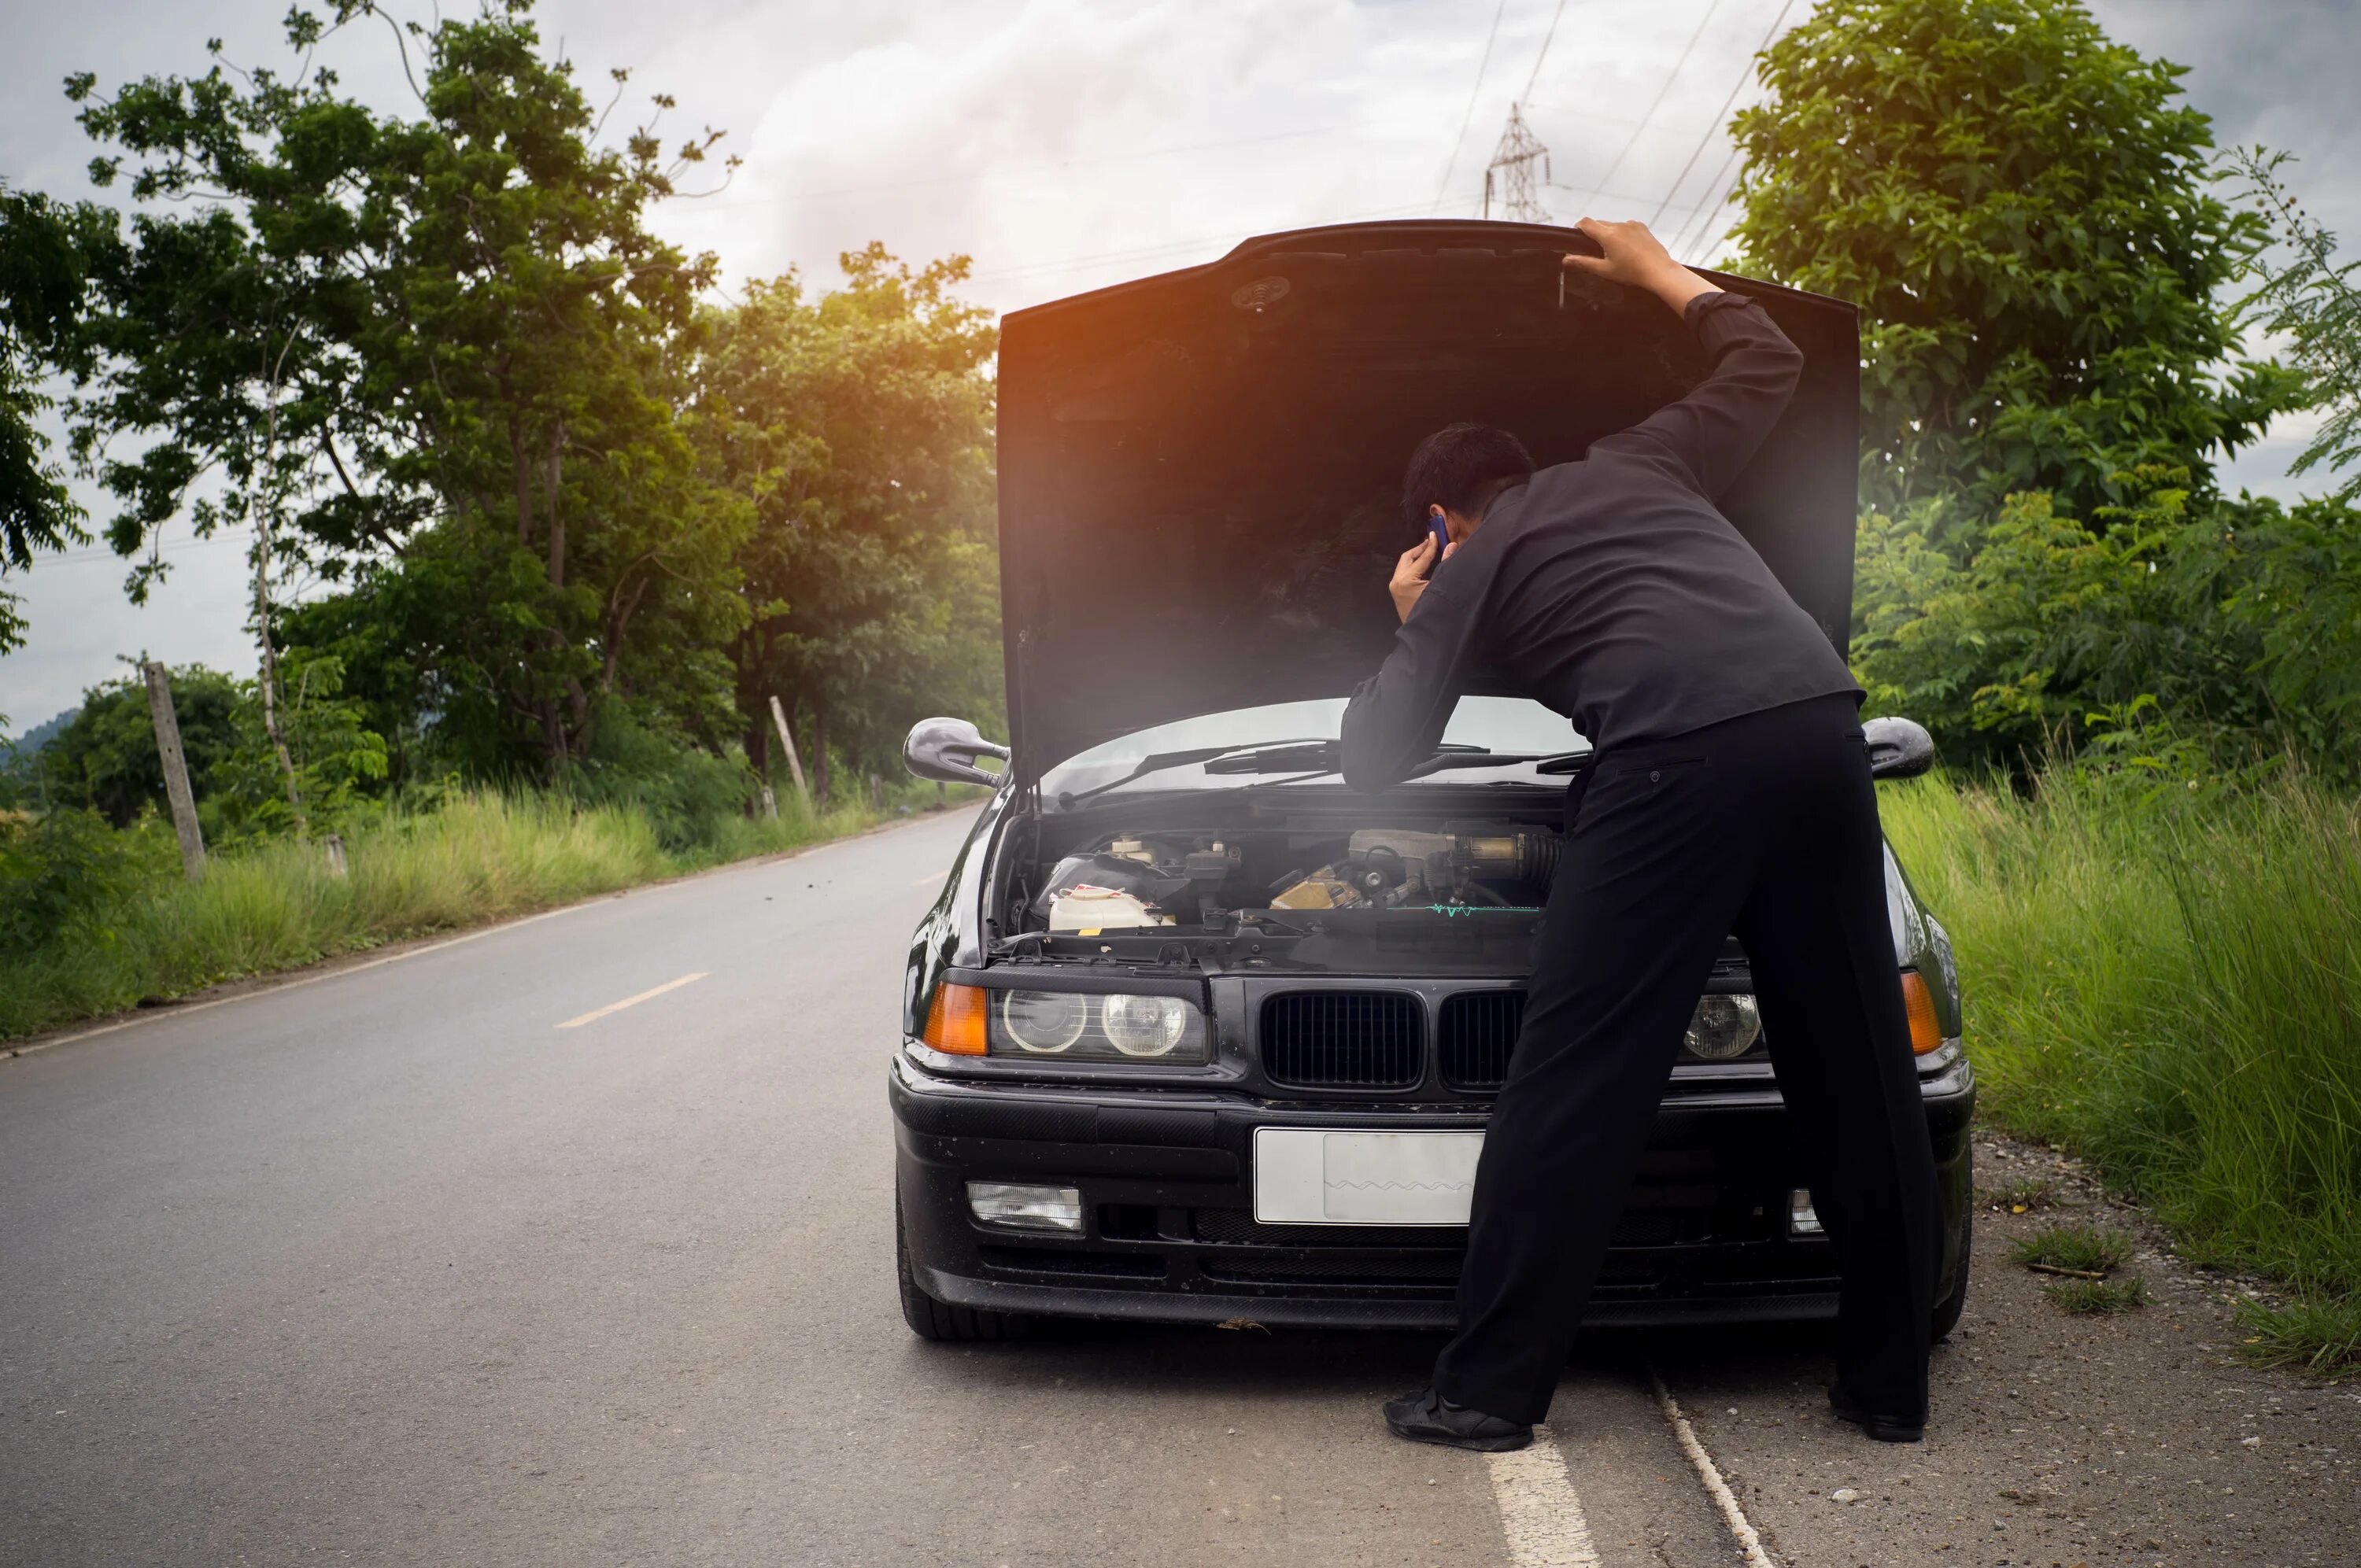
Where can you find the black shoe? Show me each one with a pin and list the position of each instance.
(1884, 1428)
(1427, 1417)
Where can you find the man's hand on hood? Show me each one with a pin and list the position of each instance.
(1630, 255)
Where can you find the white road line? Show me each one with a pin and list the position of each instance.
(598, 1012)
(1750, 1544)
(1539, 1510)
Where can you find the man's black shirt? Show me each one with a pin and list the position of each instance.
(1611, 588)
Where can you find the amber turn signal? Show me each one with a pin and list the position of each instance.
(1925, 1032)
(955, 1022)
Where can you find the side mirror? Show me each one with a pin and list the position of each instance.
(946, 750)
(1899, 748)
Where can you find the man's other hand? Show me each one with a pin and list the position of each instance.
(1630, 255)
(1412, 571)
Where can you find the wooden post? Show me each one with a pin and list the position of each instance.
(176, 769)
(795, 763)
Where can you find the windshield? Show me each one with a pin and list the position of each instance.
(1496, 723)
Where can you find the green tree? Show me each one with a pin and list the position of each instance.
(2022, 212)
(439, 357)
(106, 760)
(2313, 300)
(860, 423)
(44, 253)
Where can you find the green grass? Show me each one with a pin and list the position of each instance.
(2316, 1334)
(474, 859)
(2097, 1298)
(2022, 1196)
(2167, 981)
(2086, 1249)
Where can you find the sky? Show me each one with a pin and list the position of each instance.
(1066, 145)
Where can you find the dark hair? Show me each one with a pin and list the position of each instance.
(1462, 467)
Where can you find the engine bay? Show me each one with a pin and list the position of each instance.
(1312, 891)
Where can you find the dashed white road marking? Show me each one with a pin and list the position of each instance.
(1750, 1544)
(1540, 1512)
(598, 1012)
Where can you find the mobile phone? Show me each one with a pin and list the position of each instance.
(1441, 532)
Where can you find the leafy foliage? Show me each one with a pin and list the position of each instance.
(64, 875)
(451, 337)
(43, 252)
(2313, 300)
(860, 423)
(104, 759)
(2022, 210)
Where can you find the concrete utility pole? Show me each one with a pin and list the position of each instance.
(794, 765)
(176, 769)
(1510, 176)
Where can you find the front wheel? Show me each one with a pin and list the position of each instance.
(1947, 1310)
(938, 1321)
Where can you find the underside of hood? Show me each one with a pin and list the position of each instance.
(1199, 472)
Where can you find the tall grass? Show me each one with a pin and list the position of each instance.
(472, 859)
(2169, 982)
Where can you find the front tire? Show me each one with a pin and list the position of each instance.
(1947, 1310)
(938, 1321)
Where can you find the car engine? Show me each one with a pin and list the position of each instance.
(1131, 880)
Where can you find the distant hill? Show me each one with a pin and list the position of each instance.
(40, 735)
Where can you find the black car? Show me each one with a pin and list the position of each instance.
(1195, 1032)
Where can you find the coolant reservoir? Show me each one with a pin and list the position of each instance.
(1090, 909)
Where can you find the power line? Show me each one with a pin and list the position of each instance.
(1704, 214)
(1473, 89)
(1546, 39)
(106, 553)
(1720, 115)
(1657, 103)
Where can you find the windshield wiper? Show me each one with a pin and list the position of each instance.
(1158, 762)
(1310, 760)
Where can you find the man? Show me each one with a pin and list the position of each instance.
(1728, 792)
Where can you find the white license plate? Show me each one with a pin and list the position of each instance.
(1307, 1176)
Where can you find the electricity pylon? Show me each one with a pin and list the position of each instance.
(1508, 178)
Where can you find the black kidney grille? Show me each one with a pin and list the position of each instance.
(1342, 1040)
(1478, 1031)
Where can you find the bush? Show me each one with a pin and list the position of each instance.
(689, 796)
(65, 875)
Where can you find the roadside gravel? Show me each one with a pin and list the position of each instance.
(2056, 1439)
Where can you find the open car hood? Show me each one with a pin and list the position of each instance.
(1199, 472)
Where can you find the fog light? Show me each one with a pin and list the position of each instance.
(1801, 1220)
(1025, 1208)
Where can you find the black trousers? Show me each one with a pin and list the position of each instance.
(1765, 826)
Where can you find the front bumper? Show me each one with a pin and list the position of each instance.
(1167, 1200)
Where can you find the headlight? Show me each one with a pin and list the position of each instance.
(1145, 1025)
(1043, 1022)
(1120, 1026)
(1724, 1026)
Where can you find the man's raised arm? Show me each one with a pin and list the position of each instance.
(1714, 431)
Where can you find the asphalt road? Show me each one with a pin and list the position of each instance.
(421, 1262)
